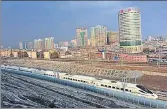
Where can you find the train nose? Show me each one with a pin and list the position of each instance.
(155, 96)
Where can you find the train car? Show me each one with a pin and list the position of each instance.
(135, 89)
(79, 79)
(10, 67)
(24, 69)
(112, 85)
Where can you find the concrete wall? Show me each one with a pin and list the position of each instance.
(34, 55)
(46, 55)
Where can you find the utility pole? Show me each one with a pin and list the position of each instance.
(159, 56)
(120, 58)
(124, 81)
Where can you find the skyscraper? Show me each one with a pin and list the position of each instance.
(39, 44)
(98, 35)
(20, 45)
(35, 43)
(130, 30)
(49, 43)
(30, 45)
(82, 36)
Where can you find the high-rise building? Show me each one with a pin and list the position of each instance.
(20, 45)
(49, 43)
(35, 43)
(82, 36)
(30, 45)
(39, 44)
(98, 35)
(112, 37)
(130, 30)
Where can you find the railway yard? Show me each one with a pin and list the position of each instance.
(21, 91)
(157, 83)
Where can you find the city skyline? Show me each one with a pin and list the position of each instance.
(59, 19)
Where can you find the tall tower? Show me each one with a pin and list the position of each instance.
(82, 36)
(49, 43)
(130, 30)
(20, 45)
(98, 35)
(35, 43)
(40, 44)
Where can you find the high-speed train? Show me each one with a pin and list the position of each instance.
(135, 89)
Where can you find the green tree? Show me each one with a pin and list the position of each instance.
(54, 55)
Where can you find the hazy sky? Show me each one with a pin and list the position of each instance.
(29, 20)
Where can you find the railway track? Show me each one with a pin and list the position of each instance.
(161, 95)
(62, 93)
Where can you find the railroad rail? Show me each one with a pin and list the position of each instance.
(119, 95)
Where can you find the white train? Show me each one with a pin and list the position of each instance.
(135, 89)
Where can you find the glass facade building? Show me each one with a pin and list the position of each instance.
(130, 30)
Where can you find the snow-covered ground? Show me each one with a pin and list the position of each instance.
(22, 91)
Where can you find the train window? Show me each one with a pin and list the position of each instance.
(126, 89)
(64, 77)
(102, 85)
(105, 85)
(79, 80)
(117, 88)
(144, 89)
(84, 81)
(141, 91)
(74, 79)
(113, 81)
(130, 90)
(109, 86)
(122, 89)
(113, 87)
